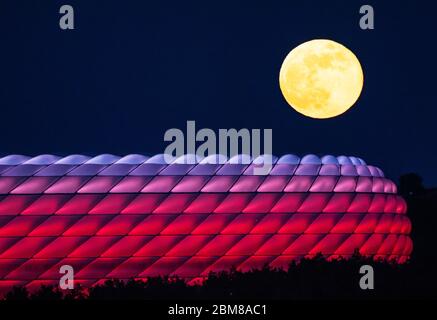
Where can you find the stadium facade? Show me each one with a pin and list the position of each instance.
(137, 216)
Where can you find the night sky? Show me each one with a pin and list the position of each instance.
(133, 69)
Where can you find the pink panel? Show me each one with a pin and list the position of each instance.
(120, 225)
(255, 263)
(276, 244)
(345, 184)
(163, 266)
(314, 203)
(79, 204)
(191, 184)
(174, 203)
(26, 247)
(323, 223)
(99, 268)
(158, 246)
(248, 245)
(378, 204)
(219, 184)
(126, 246)
(347, 224)
(112, 204)
(67, 184)
(219, 245)
(339, 203)
(234, 203)
(242, 224)
(298, 223)
(189, 246)
(53, 226)
(152, 225)
(354, 242)
(324, 184)
(225, 263)
(378, 185)
(303, 244)
(31, 269)
(131, 184)
(262, 203)
(299, 184)
(289, 203)
(213, 224)
(247, 184)
(371, 246)
(34, 185)
(15, 204)
(161, 184)
(93, 247)
(184, 224)
(101, 184)
(328, 244)
(364, 184)
(46, 204)
(274, 184)
(131, 267)
(384, 223)
(368, 224)
(205, 203)
(360, 204)
(270, 223)
(8, 183)
(60, 247)
(144, 203)
(88, 225)
(194, 266)
(20, 226)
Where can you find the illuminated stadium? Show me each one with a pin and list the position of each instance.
(137, 216)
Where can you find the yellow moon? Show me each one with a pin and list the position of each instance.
(321, 79)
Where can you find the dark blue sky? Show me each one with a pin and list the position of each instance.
(133, 69)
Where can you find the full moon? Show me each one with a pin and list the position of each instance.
(321, 79)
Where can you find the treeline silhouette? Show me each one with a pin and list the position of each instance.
(308, 279)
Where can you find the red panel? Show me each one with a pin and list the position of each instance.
(323, 223)
(242, 224)
(131, 184)
(15, 204)
(384, 223)
(396, 226)
(248, 245)
(324, 184)
(339, 203)
(388, 244)
(144, 203)
(234, 203)
(270, 223)
(262, 203)
(31, 269)
(67, 184)
(120, 225)
(191, 184)
(174, 203)
(401, 206)
(76, 263)
(131, 267)
(80, 204)
(26, 247)
(314, 202)
(347, 224)
(194, 266)
(93, 247)
(360, 204)
(219, 184)
(255, 263)
(371, 246)
(184, 224)
(6, 243)
(390, 204)
(60, 247)
(20, 226)
(213, 224)
(34, 185)
(378, 204)
(54, 225)
(303, 244)
(112, 204)
(87, 226)
(101, 184)
(298, 223)
(224, 264)
(188, 246)
(163, 266)
(247, 184)
(99, 268)
(161, 184)
(283, 262)
(205, 203)
(328, 244)
(276, 244)
(219, 245)
(46, 204)
(274, 184)
(7, 265)
(126, 246)
(152, 225)
(299, 184)
(158, 246)
(288, 203)
(354, 242)
(368, 224)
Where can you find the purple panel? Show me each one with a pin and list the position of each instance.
(44, 159)
(117, 169)
(219, 184)
(176, 169)
(289, 159)
(348, 170)
(191, 184)
(231, 169)
(247, 184)
(87, 170)
(74, 159)
(274, 184)
(131, 184)
(147, 169)
(5, 167)
(363, 171)
(329, 170)
(344, 160)
(132, 159)
(55, 170)
(23, 170)
(99, 184)
(307, 170)
(13, 159)
(281, 169)
(328, 159)
(204, 169)
(67, 184)
(106, 159)
(310, 159)
(373, 170)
